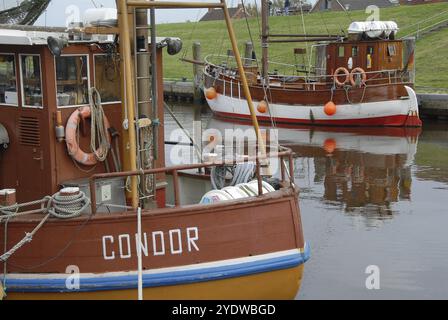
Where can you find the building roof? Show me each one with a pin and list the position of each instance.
(218, 14)
(363, 4)
(359, 4)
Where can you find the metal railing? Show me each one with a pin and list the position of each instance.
(229, 78)
(174, 171)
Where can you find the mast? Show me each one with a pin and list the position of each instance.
(265, 40)
(127, 58)
(130, 146)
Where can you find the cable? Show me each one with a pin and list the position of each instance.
(241, 173)
(98, 128)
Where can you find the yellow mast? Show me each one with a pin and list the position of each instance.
(130, 146)
(242, 72)
(125, 44)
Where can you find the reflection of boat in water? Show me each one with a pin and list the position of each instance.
(366, 169)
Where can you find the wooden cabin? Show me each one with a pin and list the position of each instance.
(374, 55)
(34, 86)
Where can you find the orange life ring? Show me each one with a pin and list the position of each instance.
(358, 71)
(341, 71)
(87, 159)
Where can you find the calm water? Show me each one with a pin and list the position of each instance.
(369, 197)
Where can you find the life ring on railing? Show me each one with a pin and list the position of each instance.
(358, 71)
(71, 132)
(339, 72)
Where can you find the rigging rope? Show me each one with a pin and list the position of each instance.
(306, 43)
(241, 173)
(325, 22)
(98, 129)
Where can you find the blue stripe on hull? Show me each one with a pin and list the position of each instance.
(123, 282)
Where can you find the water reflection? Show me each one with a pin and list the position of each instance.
(368, 197)
(432, 157)
(362, 171)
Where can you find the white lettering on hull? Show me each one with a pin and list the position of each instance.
(173, 242)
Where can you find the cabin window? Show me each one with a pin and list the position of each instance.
(107, 77)
(391, 50)
(341, 51)
(8, 80)
(355, 51)
(31, 81)
(72, 80)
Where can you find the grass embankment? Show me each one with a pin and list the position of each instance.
(432, 49)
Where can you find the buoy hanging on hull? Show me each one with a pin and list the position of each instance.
(211, 93)
(330, 109)
(262, 107)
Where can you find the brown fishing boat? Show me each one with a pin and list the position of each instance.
(88, 208)
(362, 78)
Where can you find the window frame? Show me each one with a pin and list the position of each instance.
(89, 84)
(22, 91)
(391, 50)
(17, 81)
(94, 78)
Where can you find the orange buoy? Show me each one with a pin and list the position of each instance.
(330, 145)
(358, 71)
(330, 108)
(341, 72)
(262, 107)
(211, 93)
(71, 137)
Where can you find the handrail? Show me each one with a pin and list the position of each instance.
(175, 172)
(316, 80)
(207, 62)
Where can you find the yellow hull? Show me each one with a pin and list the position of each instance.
(276, 285)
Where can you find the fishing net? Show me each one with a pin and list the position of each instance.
(26, 13)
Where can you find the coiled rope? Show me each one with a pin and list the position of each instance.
(241, 173)
(98, 129)
(59, 206)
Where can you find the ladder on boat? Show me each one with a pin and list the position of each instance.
(146, 125)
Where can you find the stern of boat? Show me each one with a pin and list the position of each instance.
(413, 119)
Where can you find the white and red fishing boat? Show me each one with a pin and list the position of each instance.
(363, 79)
